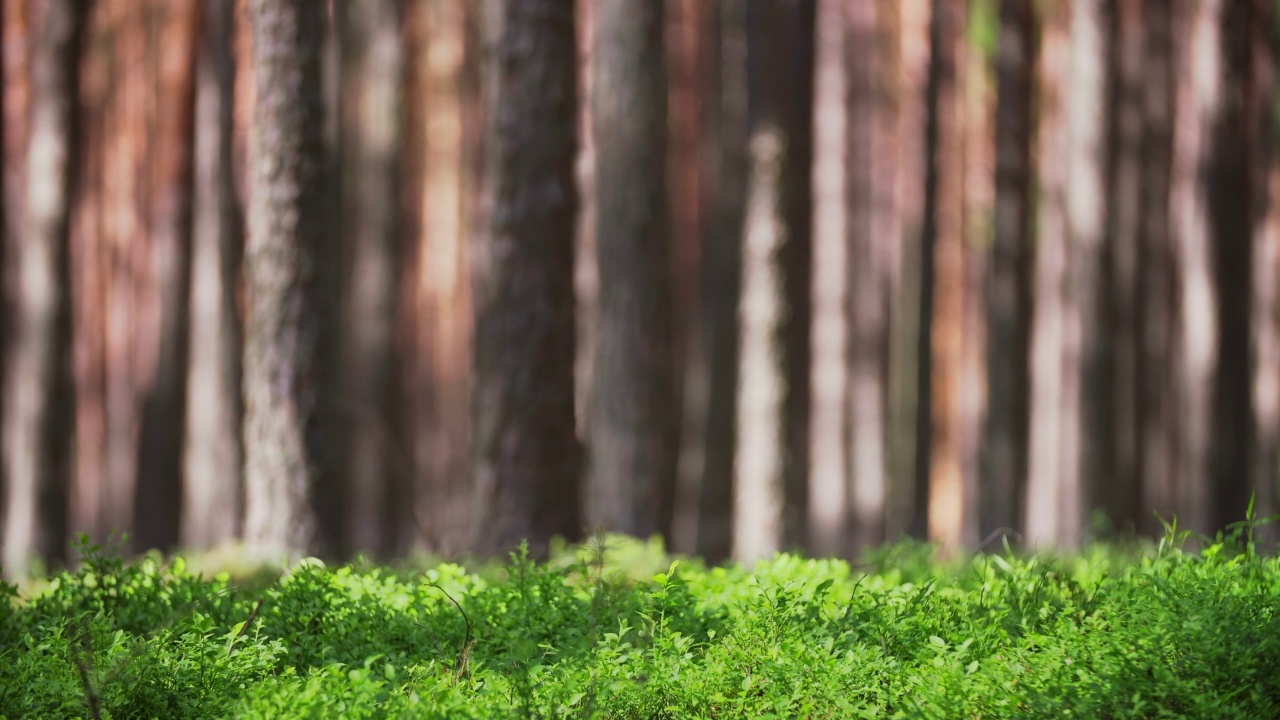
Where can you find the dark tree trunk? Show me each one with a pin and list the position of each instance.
(632, 423)
(212, 498)
(722, 279)
(1230, 178)
(1155, 287)
(288, 218)
(158, 491)
(373, 67)
(1008, 300)
(36, 421)
(527, 464)
(1118, 489)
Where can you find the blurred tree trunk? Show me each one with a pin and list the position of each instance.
(1088, 430)
(287, 228)
(1008, 298)
(1156, 284)
(939, 468)
(527, 471)
(441, 149)
(1193, 349)
(1231, 176)
(772, 427)
(837, 60)
(1265, 475)
(212, 498)
(165, 301)
(36, 422)
(1118, 489)
(373, 74)
(722, 281)
(1047, 516)
(689, 25)
(633, 424)
(905, 56)
(872, 226)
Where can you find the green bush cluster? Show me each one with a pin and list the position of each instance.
(1166, 634)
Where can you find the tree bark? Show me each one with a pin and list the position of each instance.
(213, 494)
(287, 229)
(939, 466)
(165, 303)
(1008, 297)
(527, 465)
(633, 424)
(373, 69)
(36, 420)
(772, 426)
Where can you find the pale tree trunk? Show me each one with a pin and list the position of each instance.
(1155, 288)
(1087, 429)
(1119, 490)
(632, 427)
(287, 227)
(1008, 298)
(723, 280)
(1265, 474)
(163, 335)
(941, 510)
(1195, 331)
(212, 498)
(1230, 177)
(37, 377)
(373, 70)
(829, 505)
(771, 437)
(868, 169)
(527, 458)
(1044, 478)
(586, 271)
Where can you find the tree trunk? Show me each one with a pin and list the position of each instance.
(837, 60)
(36, 424)
(1008, 298)
(1155, 289)
(633, 425)
(772, 405)
(287, 228)
(868, 169)
(1118, 490)
(939, 468)
(1088, 429)
(212, 498)
(1230, 179)
(373, 67)
(527, 465)
(723, 280)
(166, 302)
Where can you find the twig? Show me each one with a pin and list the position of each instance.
(464, 654)
(252, 616)
(90, 696)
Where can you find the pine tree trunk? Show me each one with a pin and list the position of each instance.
(166, 303)
(633, 424)
(212, 499)
(287, 228)
(36, 424)
(1008, 298)
(373, 65)
(527, 463)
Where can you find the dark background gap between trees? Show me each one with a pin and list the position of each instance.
(399, 275)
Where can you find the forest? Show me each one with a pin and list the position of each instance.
(386, 277)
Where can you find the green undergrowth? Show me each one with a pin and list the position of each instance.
(1163, 634)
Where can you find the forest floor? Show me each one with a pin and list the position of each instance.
(615, 629)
